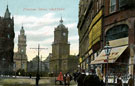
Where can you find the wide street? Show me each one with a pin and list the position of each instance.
(26, 81)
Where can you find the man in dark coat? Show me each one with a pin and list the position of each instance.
(80, 78)
(37, 79)
(64, 78)
(119, 82)
(130, 81)
(91, 80)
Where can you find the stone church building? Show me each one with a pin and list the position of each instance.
(20, 57)
(61, 60)
(6, 43)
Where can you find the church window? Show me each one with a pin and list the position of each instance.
(9, 25)
(8, 36)
(117, 32)
(23, 66)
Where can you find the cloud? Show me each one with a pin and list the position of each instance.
(72, 25)
(74, 48)
(40, 30)
(73, 38)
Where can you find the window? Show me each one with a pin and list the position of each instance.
(122, 3)
(9, 25)
(97, 5)
(100, 3)
(8, 36)
(117, 32)
(112, 6)
(23, 66)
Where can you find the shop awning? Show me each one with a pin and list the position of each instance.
(114, 55)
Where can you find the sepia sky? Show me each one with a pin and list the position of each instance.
(39, 18)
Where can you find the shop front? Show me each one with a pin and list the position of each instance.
(118, 62)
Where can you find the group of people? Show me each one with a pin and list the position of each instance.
(88, 79)
(96, 79)
(66, 78)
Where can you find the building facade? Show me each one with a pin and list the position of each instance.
(102, 21)
(60, 60)
(33, 65)
(6, 42)
(45, 63)
(20, 57)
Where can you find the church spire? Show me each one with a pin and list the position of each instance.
(61, 21)
(7, 13)
(22, 31)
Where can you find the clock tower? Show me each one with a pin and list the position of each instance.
(60, 49)
(22, 41)
(20, 57)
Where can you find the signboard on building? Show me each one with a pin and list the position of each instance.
(95, 29)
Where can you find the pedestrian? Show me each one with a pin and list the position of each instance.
(37, 79)
(75, 75)
(60, 78)
(91, 79)
(64, 78)
(119, 81)
(130, 81)
(30, 75)
(68, 79)
(80, 78)
(101, 80)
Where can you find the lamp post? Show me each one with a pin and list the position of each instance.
(37, 75)
(41, 65)
(107, 49)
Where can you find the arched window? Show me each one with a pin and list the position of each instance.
(117, 32)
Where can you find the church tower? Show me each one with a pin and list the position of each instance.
(60, 49)
(22, 42)
(6, 42)
(20, 57)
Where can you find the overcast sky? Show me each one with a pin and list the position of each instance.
(39, 18)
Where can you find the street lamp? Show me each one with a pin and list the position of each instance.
(107, 49)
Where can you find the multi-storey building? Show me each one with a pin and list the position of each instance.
(6, 42)
(61, 58)
(107, 20)
(20, 57)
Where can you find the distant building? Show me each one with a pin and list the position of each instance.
(45, 63)
(20, 57)
(61, 61)
(6, 42)
(33, 65)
